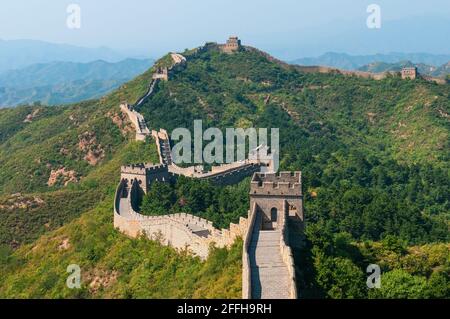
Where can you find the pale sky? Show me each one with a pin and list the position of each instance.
(290, 28)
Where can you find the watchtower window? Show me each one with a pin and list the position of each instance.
(273, 214)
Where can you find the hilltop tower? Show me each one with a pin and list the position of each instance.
(409, 73)
(233, 45)
(161, 73)
(274, 194)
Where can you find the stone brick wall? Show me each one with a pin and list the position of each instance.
(271, 191)
(286, 252)
(246, 274)
(409, 73)
(232, 45)
(178, 230)
(137, 120)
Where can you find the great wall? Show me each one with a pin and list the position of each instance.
(276, 200)
(268, 267)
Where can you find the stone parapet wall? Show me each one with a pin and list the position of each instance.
(233, 175)
(246, 274)
(434, 79)
(137, 169)
(284, 183)
(177, 230)
(286, 252)
(137, 120)
(156, 135)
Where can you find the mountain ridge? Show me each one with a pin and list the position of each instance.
(66, 82)
(21, 53)
(374, 157)
(424, 69)
(353, 62)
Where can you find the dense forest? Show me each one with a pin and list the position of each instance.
(220, 204)
(374, 156)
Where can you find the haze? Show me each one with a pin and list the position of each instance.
(287, 28)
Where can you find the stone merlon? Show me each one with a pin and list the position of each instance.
(284, 183)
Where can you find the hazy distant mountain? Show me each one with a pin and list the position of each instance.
(56, 72)
(354, 62)
(425, 69)
(443, 70)
(425, 33)
(66, 82)
(16, 54)
(377, 67)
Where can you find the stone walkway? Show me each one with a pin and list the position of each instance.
(269, 274)
(147, 94)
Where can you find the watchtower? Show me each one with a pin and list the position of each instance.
(161, 73)
(409, 73)
(144, 174)
(275, 194)
(233, 45)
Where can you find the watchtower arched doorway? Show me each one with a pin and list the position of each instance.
(269, 222)
(273, 215)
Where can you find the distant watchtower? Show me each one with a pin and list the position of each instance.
(409, 73)
(233, 45)
(161, 73)
(275, 194)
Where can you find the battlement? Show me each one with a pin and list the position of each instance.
(137, 169)
(284, 183)
(161, 73)
(233, 45)
(143, 168)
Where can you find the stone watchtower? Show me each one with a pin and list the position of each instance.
(409, 73)
(233, 45)
(144, 174)
(275, 194)
(161, 73)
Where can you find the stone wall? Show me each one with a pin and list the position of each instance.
(409, 73)
(271, 191)
(181, 231)
(149, 92)
(434, 79)
(232, 176)
(246, 274)
(232, 45)
(138, 122)
(286, 252)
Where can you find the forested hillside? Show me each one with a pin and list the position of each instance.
(376, 174)
(66, 82)
(58, 162)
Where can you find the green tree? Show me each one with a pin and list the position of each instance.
(438, 285)
(339, 277)
(158, 200)
(399, 284)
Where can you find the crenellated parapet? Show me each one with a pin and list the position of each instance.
(180, 230)
(232, 45)
(270, 191)
(284, 183)
(138, 121)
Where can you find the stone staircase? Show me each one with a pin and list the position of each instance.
(149, 92)
(269, 274)
(166, 152)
